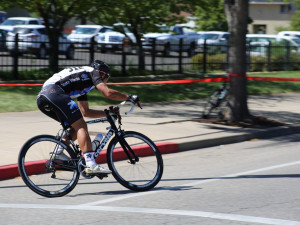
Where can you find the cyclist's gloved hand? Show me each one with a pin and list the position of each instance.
(134, 99)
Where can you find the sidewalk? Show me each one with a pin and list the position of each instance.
(169, 124)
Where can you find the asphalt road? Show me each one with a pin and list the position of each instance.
(253, 182)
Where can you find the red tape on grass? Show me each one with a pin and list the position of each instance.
(14, 85)
(142, 82)
(181, 81)
(236, 75)
(273, 79)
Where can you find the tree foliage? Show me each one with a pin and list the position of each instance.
(211, 16)
(55, 13)
(140, 17)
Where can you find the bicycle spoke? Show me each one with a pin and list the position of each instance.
(47, 177)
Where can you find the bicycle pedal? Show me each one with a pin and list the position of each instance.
(101, 176)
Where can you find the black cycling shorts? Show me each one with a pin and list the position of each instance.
(55, 103)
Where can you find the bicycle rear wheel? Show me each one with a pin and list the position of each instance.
(142, 174)
(215, 105)
(44, 176)
(211, 104)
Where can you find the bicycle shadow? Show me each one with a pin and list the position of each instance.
(183, 187)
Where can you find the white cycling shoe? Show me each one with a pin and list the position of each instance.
(97, 170)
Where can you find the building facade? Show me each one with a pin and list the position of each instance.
(269, 16)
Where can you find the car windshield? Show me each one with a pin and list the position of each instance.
(105, 29)
(209, 36)
(22, 30)
(297, 40)
(13, 22)
(85, 30)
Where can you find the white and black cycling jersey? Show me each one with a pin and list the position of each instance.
(76, 81)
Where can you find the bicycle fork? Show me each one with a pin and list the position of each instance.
(132, 157)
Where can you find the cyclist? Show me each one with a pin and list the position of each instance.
(56, 101)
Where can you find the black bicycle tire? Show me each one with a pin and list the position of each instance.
(151, 184)
(30, 183)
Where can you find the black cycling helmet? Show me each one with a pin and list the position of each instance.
(102, 67)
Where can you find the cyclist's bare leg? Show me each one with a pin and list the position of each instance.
(80, 131)
(73, 135)
(85, 145)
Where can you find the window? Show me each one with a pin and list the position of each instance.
(285, 8)
(42, 31)
(33, 22)
(259, 28)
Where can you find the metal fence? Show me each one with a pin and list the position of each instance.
(207, 58)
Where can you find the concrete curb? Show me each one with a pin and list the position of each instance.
(260, 134)
(11, 171)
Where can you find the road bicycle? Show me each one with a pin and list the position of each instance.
(134, 159)
(216, 102)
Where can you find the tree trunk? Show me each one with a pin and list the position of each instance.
(141, 56)
(53, 52)
(237, 17)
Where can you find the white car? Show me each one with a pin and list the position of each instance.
(169, 40)
(33, 39)
(82, 35)
(289, 34)
(10, 22)
(216, 41)
(110, 41)
(259, 43)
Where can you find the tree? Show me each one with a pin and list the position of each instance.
(295, 19)
(139, 17)
(237, 17)
(55, 13)
(211, 16)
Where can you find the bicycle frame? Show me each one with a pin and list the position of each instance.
(118, 132)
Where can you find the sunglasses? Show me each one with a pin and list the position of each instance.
(105, 75)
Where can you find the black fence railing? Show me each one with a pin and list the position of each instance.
(20, 58)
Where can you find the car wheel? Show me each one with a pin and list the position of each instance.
(14, 53)
(42, 53)
(166, 51)
(191, 50)
(70, 53)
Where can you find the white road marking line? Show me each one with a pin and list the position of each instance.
(211, 215)
(190, 184)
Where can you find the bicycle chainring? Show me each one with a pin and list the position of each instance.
(81, 167)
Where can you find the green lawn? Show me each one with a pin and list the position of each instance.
(14, 99)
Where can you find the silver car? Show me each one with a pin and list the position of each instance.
(33, 40)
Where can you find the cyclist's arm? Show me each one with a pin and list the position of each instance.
(110, 93)
(87, 112)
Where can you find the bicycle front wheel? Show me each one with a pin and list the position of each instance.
(146, 168)
(43, 175)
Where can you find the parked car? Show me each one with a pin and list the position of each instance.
(168, 40)
(259, 43)
(10, 22)
(113, 40)
(110, 41)
(3, 34)
(260, 37)
(33, 39)
(216, 41)
(292, 41)
(289, 34)
(82, 35)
